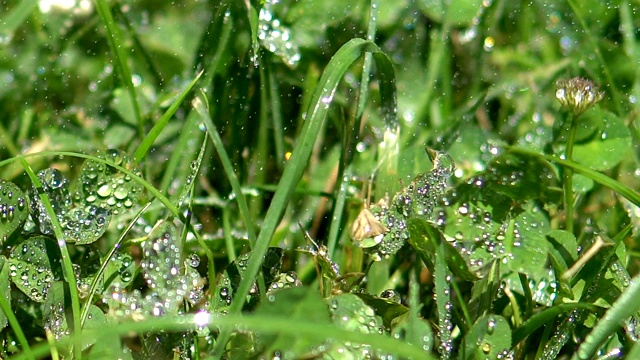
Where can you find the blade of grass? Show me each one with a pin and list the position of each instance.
(103, 267)
(5, 306)
(263, 324)
(276, 118)
(212, 130)
(222, 26)
(625, 306)
(335, 70)
(147, 142)
(443, 301)
(600, 178)
(545, 317)
(116, 44)
(351, 136)
(11, 20)
(67, 266)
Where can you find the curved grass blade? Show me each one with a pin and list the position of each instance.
(627, 304)
(351, 136)
(258, 323)
(544, 317)
(146, 144)
(67, 266)
(103, 267)
(335, 70)
(116, 44)
(600, 178)
(5, 306)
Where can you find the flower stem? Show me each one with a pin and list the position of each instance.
(568, 174)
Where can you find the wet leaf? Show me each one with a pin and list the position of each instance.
(105, 186)
(275, 37)
(609, 144)
(232, 276)
(489, 338)
(424, 239)
(84, 225)
(301, 304)
(95, 320)
(119, 271)
(418, 334)
(55, 311)
(418, 200)
(162, 267)
(5, 289)
(349, 312)
(56, 186)
(13, 209)
(388, 310)
(31, 266)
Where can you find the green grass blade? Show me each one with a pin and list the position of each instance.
(335, 70)
(14, 323)
(598, 177)
(67, 265)
(351, 135)
(96, 280)
(443, 303)
(217, 26)
(199, 106)
(116, 44)
(155, 131)
(545, 317)
(626, 305)
(11, 20)
(262, 324)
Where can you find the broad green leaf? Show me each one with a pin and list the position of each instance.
(388, 310)
(30, 266)
(489, 338)
(105, 186)
(609, 145)
(13, 209)
(300, 304)
(425, 238)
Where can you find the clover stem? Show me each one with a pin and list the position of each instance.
(568, 174)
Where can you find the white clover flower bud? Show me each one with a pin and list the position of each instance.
(578, 94)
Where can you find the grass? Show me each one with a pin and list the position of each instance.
(270, 195)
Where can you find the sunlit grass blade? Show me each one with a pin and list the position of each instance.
(625, 306)
(335, 70)
(116, 44)
(146, 144)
